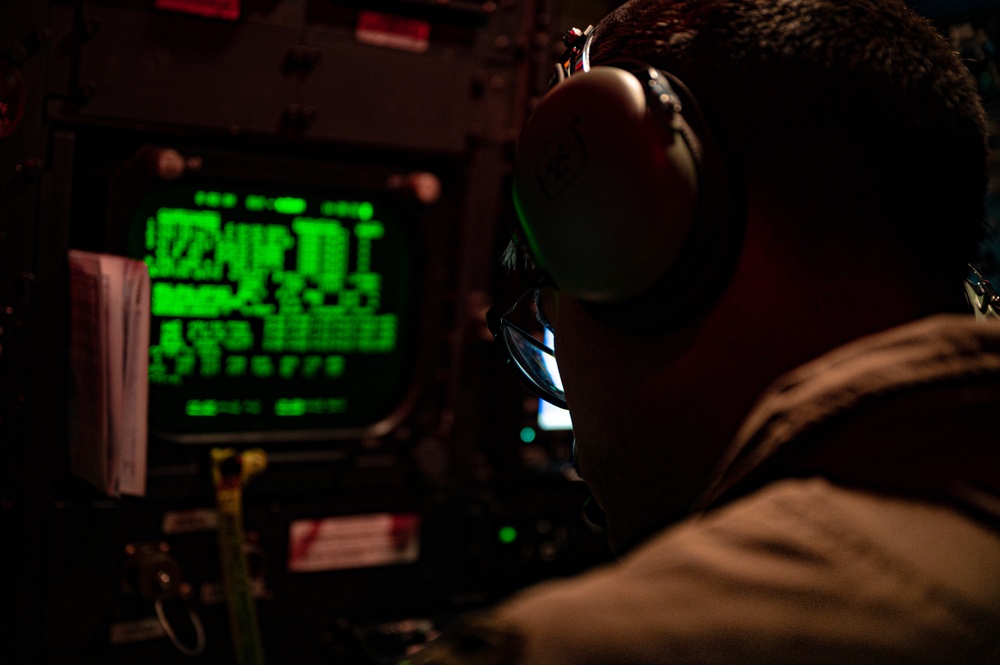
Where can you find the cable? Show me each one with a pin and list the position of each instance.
(199, 630)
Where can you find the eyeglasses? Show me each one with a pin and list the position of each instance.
(533, 361)
(982, 296)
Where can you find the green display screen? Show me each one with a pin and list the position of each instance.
(275, 311)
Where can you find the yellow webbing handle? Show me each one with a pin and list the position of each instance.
(230, 471)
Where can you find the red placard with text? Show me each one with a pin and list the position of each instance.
(228, 10)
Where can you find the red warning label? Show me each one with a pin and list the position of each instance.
(355, 541)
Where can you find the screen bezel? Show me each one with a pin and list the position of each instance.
(134, 180)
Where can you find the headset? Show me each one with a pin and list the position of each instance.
(623, 194)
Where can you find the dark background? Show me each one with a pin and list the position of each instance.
(286, 92)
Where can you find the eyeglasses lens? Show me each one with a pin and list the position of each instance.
(536, 362)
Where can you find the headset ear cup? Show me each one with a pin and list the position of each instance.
(625, 203)
(595, 175)
(695, 280)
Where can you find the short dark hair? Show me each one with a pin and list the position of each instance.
(859, 105)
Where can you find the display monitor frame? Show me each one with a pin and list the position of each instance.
(294, 199)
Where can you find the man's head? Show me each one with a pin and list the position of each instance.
(859, 141)
(856, 108)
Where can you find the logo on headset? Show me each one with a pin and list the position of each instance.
(561, 163)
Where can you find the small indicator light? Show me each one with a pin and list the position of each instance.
(507, 534)
(528, 434)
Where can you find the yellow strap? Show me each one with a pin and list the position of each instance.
(230, 471)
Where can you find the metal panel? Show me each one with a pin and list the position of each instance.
(294, 78)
